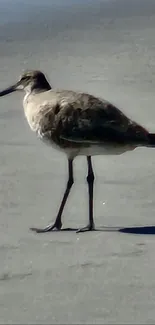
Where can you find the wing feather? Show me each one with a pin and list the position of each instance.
(105, 123)
(87, 119)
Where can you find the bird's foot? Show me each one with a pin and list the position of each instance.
(56, 226)
(87, 228)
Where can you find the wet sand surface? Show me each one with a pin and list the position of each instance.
(106, 48)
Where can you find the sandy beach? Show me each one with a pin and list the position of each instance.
(106, 48)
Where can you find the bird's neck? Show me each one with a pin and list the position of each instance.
(40, 86)
(37, 87)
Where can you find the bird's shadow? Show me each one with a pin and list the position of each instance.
(139, 230)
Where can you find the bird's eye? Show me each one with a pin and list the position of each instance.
(24, 78)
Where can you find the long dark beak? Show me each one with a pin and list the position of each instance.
(9, 90)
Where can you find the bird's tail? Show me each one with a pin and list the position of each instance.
(151, 140)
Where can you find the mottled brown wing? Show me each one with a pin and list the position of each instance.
(101, 123)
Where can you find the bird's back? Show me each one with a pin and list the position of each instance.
(80, 117)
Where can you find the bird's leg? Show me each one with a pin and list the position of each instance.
(58, 224)
(90, 181)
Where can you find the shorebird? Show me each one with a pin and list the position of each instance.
(78, 124)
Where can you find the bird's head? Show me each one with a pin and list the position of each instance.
(32, 80)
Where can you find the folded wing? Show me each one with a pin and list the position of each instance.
(100, 122)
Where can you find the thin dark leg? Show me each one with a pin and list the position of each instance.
(90, 181)
(58, 224)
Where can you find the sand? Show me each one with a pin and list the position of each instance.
(106, 277)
